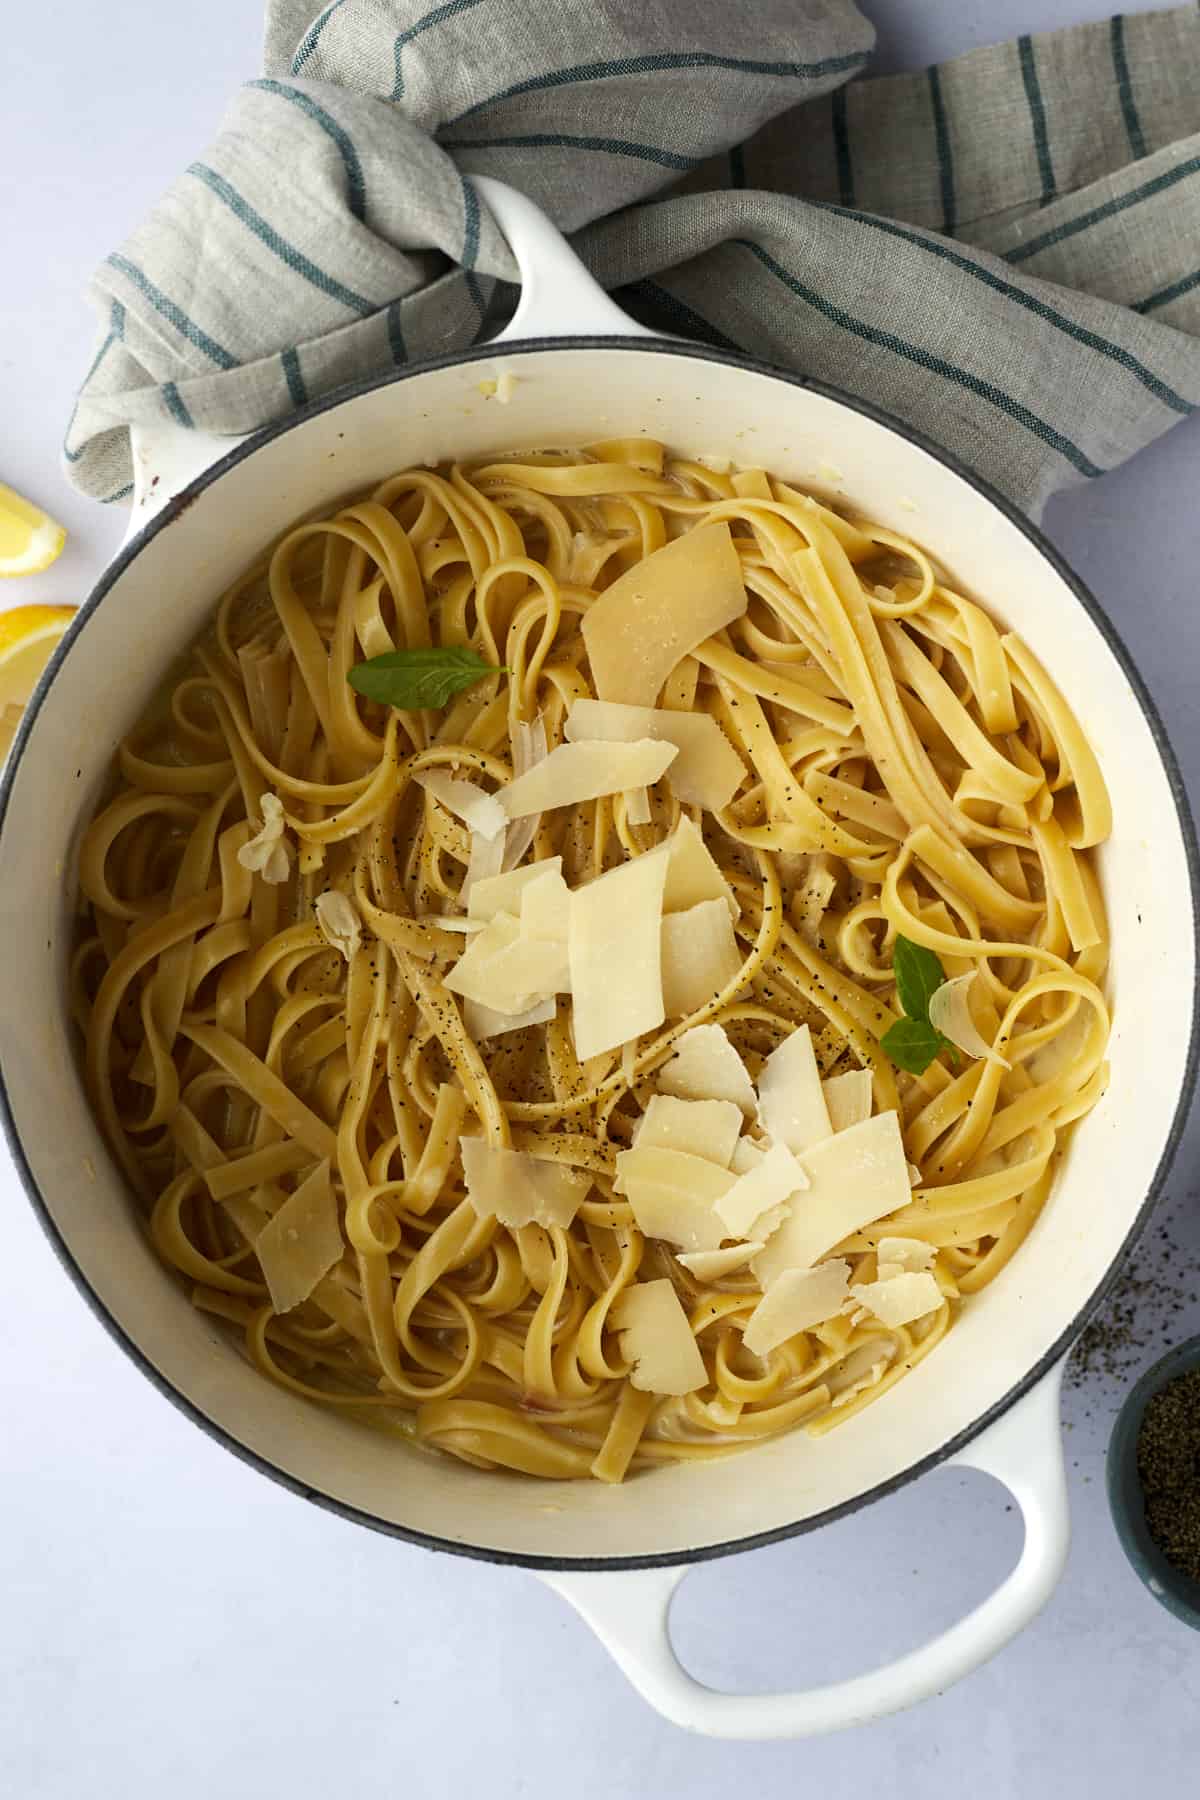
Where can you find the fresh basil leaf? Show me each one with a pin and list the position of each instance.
(918, 974)
(913, 1044)
(414, 679)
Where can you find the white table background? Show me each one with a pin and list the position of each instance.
(173, 1624)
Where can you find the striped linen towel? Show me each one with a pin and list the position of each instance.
(1004, 250)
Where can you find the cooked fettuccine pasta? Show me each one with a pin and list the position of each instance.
(592, 958)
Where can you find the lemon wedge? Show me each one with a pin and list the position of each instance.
(29, 538)
(10, 719)
(28, 636)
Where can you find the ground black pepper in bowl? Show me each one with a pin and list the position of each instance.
(1152, 1473)
(1168, 1464)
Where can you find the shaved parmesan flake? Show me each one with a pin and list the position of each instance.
(338, 922)
(525, 972)
(800, 1299)
(638, 810)
(506, 972)
(706, 1066)
(519, 1189)
(692, 873)
(458, 922)
(950, 1013)
(659, 610)
(482, 1022)
(479, 811)
(769, 1222)
(656, 1338)
(707, 1128)
(300, 1243)
(529, 744)
(269, 854)
(585, 771)
(546, 907)
(862, 1369)
(854, 1178)
(700, 956)
(901, 1298)
(614, 951)
(529, 747)
(904, 1255)
(914, 1175)
(714, 1265)
(500, 932)
(746, 1156)
(502, 893)
(672, 1195)
(848, 1098)
(810, 900)
(775, 1179)
(790, 1101)
(707, 771)
(485, 861)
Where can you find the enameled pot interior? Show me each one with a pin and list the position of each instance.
(164, 593)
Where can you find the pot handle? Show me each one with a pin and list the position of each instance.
(558, 299)
(629, 1611)
(166, 458)
(558, 296)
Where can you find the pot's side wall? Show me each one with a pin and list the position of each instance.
(566, 397)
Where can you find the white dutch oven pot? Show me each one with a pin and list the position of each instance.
(990, 1399)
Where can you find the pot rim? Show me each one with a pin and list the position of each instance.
(179, 504)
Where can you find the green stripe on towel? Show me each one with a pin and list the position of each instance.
(311, 37)
(1129, 111)
(1071, 227)
(470, 249)
(945, 154)
(423, 24)
(1164, 296)
(1037, 117)
(395, 335)
(294, 376)
(116, 331)
(561, 140)
(279, 246)
(887, 340)
(356, 192)
(841, 146)
(174, 402)
(174, 315)
(1030, 302)
(659, 62)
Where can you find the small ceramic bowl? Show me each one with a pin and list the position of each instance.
(1176, 1591)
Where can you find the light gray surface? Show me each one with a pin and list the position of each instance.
(172, 1624)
